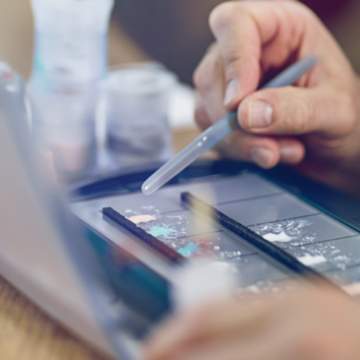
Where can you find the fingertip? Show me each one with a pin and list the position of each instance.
(292, 153)
(265, 157)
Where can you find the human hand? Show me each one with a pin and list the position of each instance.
(306, 323)
(315, 125)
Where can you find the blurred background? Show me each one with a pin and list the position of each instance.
(173, 32)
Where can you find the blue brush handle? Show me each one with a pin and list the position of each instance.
(218, 132)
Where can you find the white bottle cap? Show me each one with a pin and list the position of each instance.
(203, 281)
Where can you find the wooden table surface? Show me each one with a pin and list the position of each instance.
(26, 333)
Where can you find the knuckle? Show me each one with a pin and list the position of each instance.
(299, 115)
(306, 115)
(304, 14)
(225, 14)
(301, 9)
(220, 16)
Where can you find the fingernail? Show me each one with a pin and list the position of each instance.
(232, 91)
(260, 115)
(262, 157)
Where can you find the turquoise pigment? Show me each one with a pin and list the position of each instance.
(189, 250)
(163, 231)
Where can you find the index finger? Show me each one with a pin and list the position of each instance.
(244, 30)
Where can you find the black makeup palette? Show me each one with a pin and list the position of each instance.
(314, 224)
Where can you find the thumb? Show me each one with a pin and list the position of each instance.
(297, 111)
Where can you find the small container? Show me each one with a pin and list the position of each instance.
(137, 107)
(70, 62)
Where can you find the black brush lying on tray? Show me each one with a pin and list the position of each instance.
(271, 252)
(277, 256)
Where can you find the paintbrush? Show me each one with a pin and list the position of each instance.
(277, 256)
(218, 132)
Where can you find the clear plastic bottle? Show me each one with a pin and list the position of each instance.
(70, 60)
